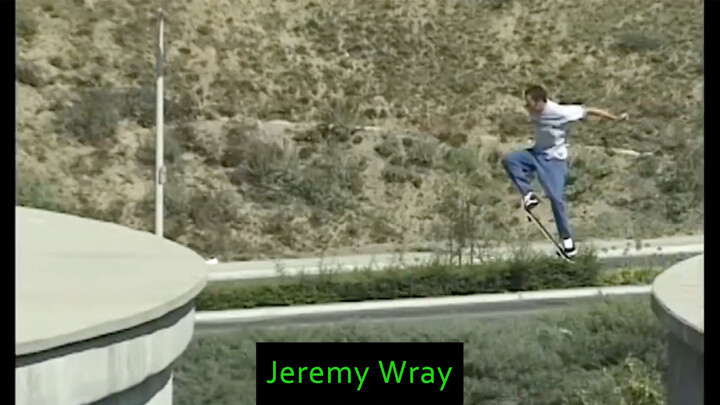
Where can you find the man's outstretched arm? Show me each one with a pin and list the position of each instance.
(604, 114)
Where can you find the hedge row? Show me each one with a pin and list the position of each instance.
(523, 273)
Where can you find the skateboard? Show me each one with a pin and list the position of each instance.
(558, 248)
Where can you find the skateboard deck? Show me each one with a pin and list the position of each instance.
(558, 248)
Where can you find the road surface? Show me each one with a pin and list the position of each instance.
(499, 304)
(403, 310)
(617, 252)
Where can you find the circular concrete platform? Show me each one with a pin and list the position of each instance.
(101, 310)
(678, 299)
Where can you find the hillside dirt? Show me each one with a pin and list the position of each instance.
(331, 126)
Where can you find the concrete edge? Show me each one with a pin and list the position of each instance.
(125, 322)
(112, 326)
(96, 371)
(675, 323)
(156, 389)
(236, 316)
(677, 327)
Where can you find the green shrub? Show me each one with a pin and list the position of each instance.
(27, 73)
(172, 150)
(628, 277)
(36, 194)
(139, 104)
(400, 175)
(600, 353)
(390, 146)
(462, 161)
(271, 173)
(630, 42)
(330, 182)
(340, 119)
(93, 118)
(523, 273)
(262, 164)
(26, 26)
(422, 153)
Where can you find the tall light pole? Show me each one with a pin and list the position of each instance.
(159, 113)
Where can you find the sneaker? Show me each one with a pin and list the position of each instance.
(530, 201)
(569, 248)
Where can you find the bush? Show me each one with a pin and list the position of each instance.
(422, 153)
(400, 175)
(93, 118)
(462, 161)
(390, 146)
(36, 194)
(139, 104)
(628, 277)
(26, 26)
(330, 182)
(432, 280)
(636, 42)
(172, 150)
(27, 73)
(95, 115)
(271, 173)
(601, 353)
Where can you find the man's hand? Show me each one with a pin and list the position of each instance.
(604, 114)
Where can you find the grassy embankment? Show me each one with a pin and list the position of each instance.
(439, 81)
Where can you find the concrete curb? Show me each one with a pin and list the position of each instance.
(249, 274)
(240, 316)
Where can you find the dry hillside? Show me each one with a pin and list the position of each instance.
(306, 126)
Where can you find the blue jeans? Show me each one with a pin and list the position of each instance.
(552, 173)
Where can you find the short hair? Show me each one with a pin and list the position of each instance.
(536, 93)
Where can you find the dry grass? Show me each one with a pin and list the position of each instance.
(299, 126)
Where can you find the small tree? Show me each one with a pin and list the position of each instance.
(461, 209)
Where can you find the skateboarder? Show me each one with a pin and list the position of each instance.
(548, 157)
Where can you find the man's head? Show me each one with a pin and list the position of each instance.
(535, 99)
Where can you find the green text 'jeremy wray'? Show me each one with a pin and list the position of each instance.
(389, 372)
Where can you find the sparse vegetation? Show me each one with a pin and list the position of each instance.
(607, 353)
(93, 118)
(313, 121)
(33, 193)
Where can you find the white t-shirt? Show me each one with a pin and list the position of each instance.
(551, 128)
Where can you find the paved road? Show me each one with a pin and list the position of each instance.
(472, 310)
(616, 251)
(536, 310)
